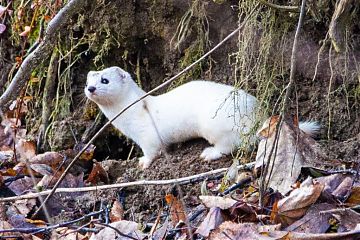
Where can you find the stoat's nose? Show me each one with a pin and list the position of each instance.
(91, 89)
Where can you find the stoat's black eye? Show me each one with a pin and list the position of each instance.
(104, 80)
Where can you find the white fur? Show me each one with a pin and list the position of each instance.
(195, 109)
(217, 112)
(310, 128)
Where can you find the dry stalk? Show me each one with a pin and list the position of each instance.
(283, 114)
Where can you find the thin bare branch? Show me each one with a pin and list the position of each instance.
(183, 180)
(35, 230)
(265, 171)
(291, 83)
(41, 52)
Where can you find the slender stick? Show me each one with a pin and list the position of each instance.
(34, 230)
(265, 172)
(138, 100)
(183, 180)
(291, 83)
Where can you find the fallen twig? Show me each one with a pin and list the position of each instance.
(138, 100)
(36, 230)
(183, 180)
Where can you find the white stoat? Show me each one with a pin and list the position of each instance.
(216, 112)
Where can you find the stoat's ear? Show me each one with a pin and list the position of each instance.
(121, 74)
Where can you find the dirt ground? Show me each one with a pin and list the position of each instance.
(142, 202)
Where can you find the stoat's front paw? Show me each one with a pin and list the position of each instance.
(211, 153)
(144, 162)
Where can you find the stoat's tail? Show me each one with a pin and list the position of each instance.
(310, 128)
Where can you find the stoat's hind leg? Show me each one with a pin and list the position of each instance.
(217, 151)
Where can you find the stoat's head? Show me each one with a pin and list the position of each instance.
(108, 86)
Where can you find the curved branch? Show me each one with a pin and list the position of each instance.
(41, 53)
(293, 59)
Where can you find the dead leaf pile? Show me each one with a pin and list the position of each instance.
(24, 171)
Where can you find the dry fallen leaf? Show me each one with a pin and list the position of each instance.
(245, 212)
(25, 206)
(10, 124)
(22, 185)
(243, 231)
(126, 227)
(347, 219)
(212, 220)
(6, 140)
(37, 222)
(98, 174)
(177, 209)
(70, 181)
(26, 149)
(268, 128)
(6, 156)
(116, 212)
(65, 233)
(294, 206)
(42, 169)
(220, 202)
(19, 221)
(354, 198)
(160, 233)
(16, 110)
(274, 210)
(52, 159)
(21, 168)
(251, 231)
(338, 185)
(6, 225)
(315, 221)
(294, 150)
